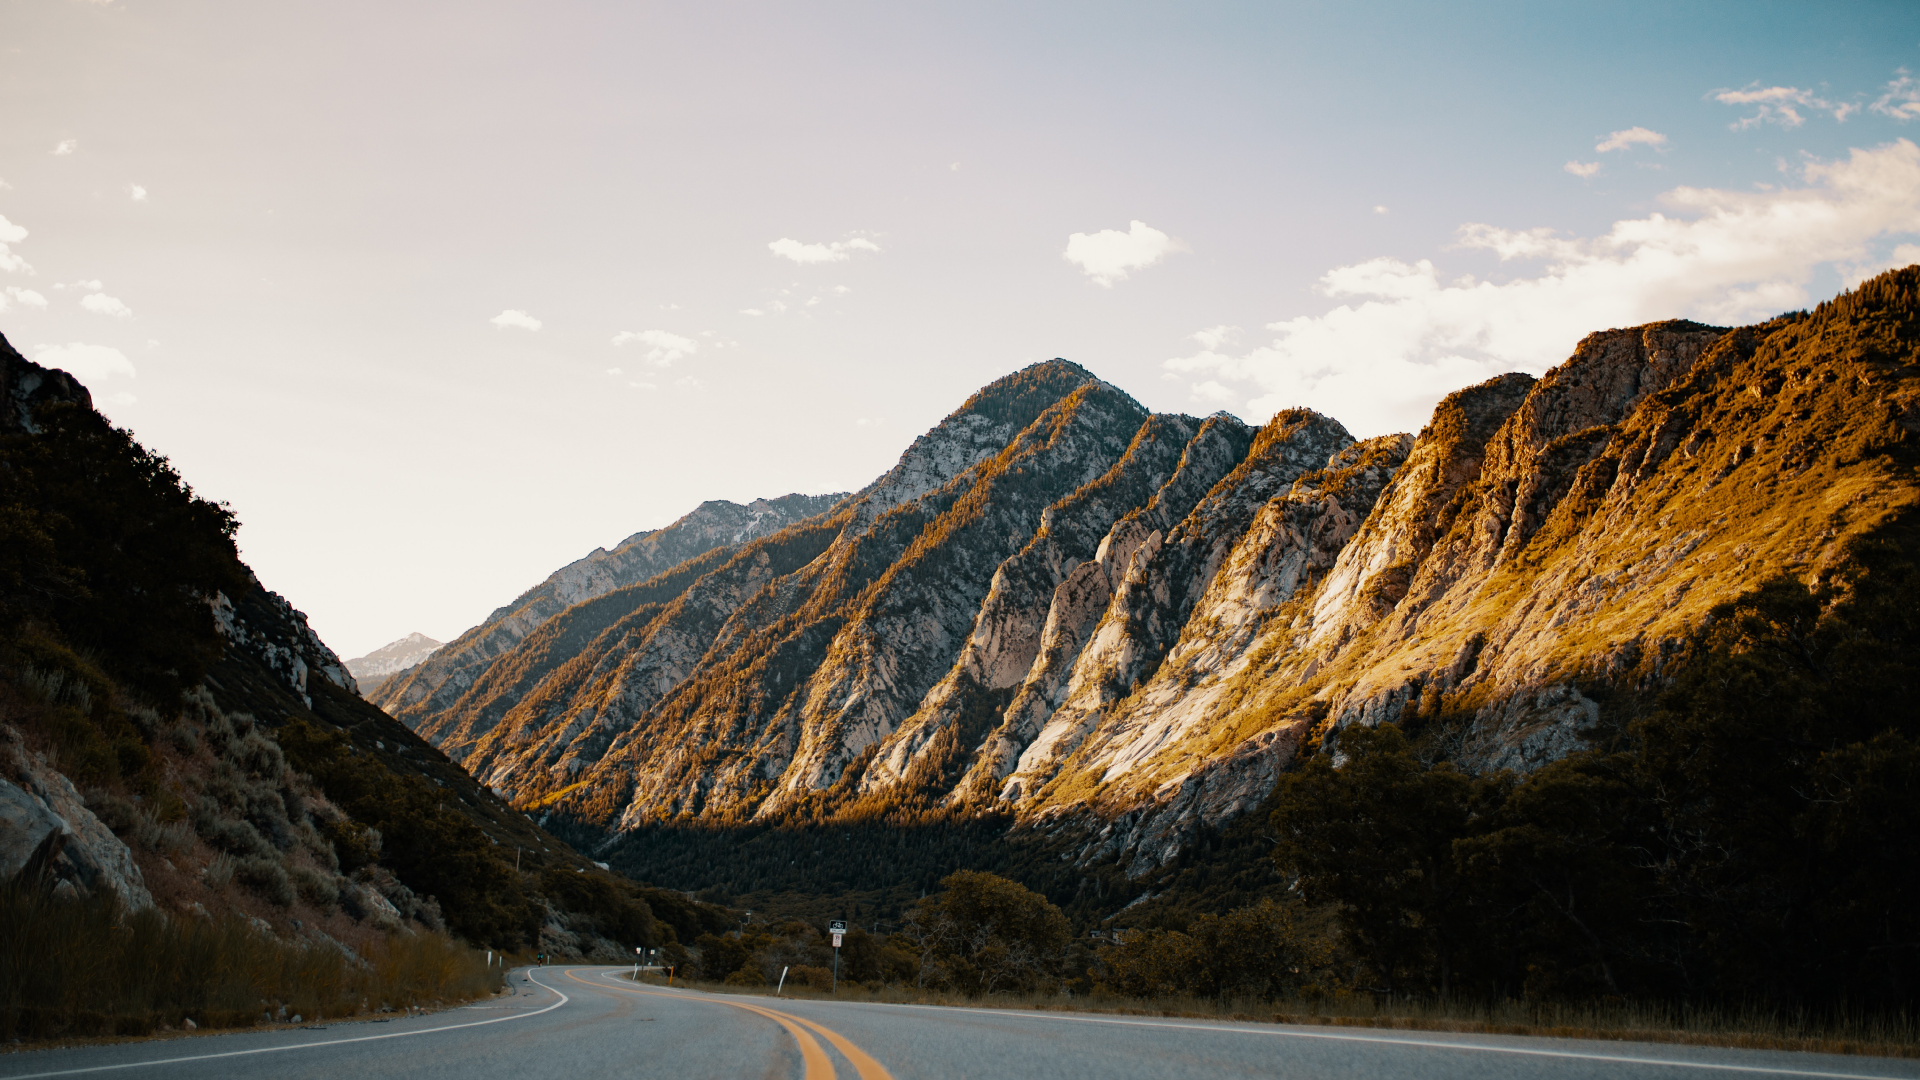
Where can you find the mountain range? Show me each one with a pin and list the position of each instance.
(1118, 628)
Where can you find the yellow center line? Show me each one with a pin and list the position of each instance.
(818, 1065)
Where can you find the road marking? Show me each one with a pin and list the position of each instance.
(305, 1046)
(863, 1063)
(1487, 1048)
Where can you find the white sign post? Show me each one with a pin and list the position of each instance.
(838, 929)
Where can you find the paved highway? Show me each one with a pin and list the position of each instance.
(587, 1022)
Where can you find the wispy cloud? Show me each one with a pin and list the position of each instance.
(1582, 169)
(1779, 105)
(662, 348)
(96, 285)
(13, 295)
(833, 251)
(514, 317)
(88, 363)
(137, 193)
(1108, 255)
(1405, 334)
(65, 147)
(102, 304)
(1628, 139)
(12, 234)
(1901, 100)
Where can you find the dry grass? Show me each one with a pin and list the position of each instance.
(78, 968)
(1754, 1028)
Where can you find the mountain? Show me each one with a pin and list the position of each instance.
(173, 732)
(444, 680)
(393, 658)
(1117, 629)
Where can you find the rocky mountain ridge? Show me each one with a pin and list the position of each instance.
(1122, 627)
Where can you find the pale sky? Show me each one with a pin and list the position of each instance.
(441, 296)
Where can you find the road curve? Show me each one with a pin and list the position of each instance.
(576, 1023)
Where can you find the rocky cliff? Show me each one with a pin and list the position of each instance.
(1120, 628)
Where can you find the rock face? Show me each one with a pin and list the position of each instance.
(1122, 627)
(46, 828)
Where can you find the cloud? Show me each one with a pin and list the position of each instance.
(4, 186)
(88, 363)
(12, 295)
(1107, 255)
(12, 234)
(1215, 336)
(65, 147)
(138, 193)
(836, 251)
(1582, 169)
(102, 304)
(1379, 209)
(1403, 335)
(662, 348)
(96, 285)
(688, 382)
(615, 371)
(1780, 105)
(1626, 140)
(516, 318)
(1901, 99)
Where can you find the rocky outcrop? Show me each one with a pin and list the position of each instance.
(25, 386)
(46, 830)
(263, 624)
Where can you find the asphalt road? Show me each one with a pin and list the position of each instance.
(581, 1023)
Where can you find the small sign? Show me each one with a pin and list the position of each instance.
(836, 941)
(837, 927)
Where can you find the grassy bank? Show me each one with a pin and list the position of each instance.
(1895, 1035)
(88, 967)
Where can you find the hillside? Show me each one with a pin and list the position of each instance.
(1117, 630)
(172, 732)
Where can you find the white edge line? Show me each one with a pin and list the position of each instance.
(305, 1046)
(1291, 1033)
(1288, 1033)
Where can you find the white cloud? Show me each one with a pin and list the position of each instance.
(85, 362)
(12, 234)
(689, 382)
(1582, 169)
(65, 147)
(835, 251)
(1901, 99)
(102, 304)
(1107, 255)
(1626, 140)
(615, 371)
(1404, 335)
(24, 297)
(96, 285)
(1780, 105)
(516, 318)
(4, 186)
(138, 193)
(662, 348)
(1215, 336)
(1379, 209)
(753, 311)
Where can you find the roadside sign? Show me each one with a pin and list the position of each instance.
(837, 928)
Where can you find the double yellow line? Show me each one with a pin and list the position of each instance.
(818, 1066)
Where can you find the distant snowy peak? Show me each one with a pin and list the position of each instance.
(393, 656)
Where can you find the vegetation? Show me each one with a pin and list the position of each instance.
(77, 967)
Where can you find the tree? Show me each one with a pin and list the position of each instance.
(986, 934)
(1375, 835)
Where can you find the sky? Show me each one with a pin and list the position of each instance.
(442, 296)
